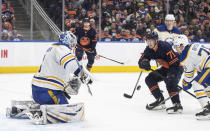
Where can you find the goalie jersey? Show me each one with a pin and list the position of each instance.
(56, 67)
(165, 35)
(193, 57)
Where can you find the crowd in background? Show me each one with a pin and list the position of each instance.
(9, 33)
(129, 20)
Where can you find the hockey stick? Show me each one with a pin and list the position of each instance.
(164, 100)
(122, 63)
(188, 92)
(90, 92)
(130, 96)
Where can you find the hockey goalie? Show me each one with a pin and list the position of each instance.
(59, 76)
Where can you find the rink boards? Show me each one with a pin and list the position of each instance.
(26, 57)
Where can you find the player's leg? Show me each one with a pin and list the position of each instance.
(57, 113)
(172, 81)
(91, 59)
(79, 53)
(201, 87)
(152, 82)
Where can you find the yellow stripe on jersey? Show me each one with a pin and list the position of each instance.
(56, 45)
(47, 82)
(67, 58)
(189, 74)
(204, 76)
(61, 81)
(200, 93)
(166, 32)
(53, 96)
(187, 54)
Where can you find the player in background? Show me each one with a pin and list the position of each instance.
(170, 72)
(195, 57)
(59, 76)
(167, 31)
(86, 42)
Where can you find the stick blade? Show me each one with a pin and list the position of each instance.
(127, 96)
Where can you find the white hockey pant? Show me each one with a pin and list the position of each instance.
(202, 93)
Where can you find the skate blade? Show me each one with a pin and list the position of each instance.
(207, 117)
(174, 112)
(160, 107)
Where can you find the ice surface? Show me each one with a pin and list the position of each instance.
(107, 109)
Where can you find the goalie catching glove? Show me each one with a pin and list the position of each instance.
(73, 86)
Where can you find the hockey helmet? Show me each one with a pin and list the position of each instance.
(181, 40)
(152, 35)
(170, 17)
(68, 38)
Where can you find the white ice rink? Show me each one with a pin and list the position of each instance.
(107, 109)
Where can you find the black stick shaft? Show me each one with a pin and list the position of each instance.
(130, 96)
(111, 59)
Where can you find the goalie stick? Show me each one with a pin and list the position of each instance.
(130, 96)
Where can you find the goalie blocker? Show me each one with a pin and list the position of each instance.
(45, 114)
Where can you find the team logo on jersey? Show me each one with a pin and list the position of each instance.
(84, 41)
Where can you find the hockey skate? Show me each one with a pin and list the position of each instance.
(18, 109)
(177, 108)
(159, 104)
(205, 114)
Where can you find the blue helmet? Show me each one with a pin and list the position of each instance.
(68, 38)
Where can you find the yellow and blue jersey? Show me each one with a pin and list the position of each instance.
(167, 35)
(196, 57)
(57, 65)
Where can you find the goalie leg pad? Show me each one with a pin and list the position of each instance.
(58, 114)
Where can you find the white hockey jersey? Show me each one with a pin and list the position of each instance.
(56, 67)
(194, 56)
(165, 35)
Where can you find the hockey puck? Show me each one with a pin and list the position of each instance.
(138, 87)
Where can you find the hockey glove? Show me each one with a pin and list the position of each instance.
(144, 65)
(186, 85)
(74, 86)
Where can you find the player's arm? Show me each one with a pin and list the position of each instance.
(144, 61)
(67, 60)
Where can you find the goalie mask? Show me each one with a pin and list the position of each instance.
(68, 38)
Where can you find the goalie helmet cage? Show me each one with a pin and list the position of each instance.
(46, 29)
